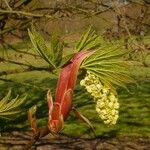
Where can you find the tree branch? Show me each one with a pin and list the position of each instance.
(19, 51)
(24, 84)
(27, 69)
(26, 14)
(8, 5)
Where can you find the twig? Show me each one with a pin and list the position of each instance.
(8, 5)
(19, 51)
(38, 135)
(24, 84)
(26, 14)
(117, 10)
(30, 67)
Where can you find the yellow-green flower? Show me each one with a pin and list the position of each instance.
(106, 102)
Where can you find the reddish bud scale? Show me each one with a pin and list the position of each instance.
(63, 82)
(66, 82)
(76, 62)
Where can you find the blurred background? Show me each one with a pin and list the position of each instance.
(22, 70)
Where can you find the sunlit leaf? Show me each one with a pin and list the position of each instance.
(89, 40)
(40, 45)
(108, 64)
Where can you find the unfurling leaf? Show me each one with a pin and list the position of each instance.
(10, 107)
(52, 54)
(66, 59)
(40, 45)
(89, 40)
(57, 50)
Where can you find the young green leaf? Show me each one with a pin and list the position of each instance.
(66, 59)
(10, 107)
(107, 63)
(5, 100)
(57, 50)
(40, 45)
(89, 40)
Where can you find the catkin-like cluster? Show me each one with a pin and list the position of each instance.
(106, 102)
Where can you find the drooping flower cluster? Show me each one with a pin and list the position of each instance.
(106, 102)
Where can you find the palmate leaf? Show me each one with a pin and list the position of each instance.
(52, 54)
(40, 45)
(89, 40)
(9, 108)
(57, 50)
(107, 63)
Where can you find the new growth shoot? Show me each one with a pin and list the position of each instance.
(105, 68)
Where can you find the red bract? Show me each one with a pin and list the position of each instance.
(61, 107)
(63, 102)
